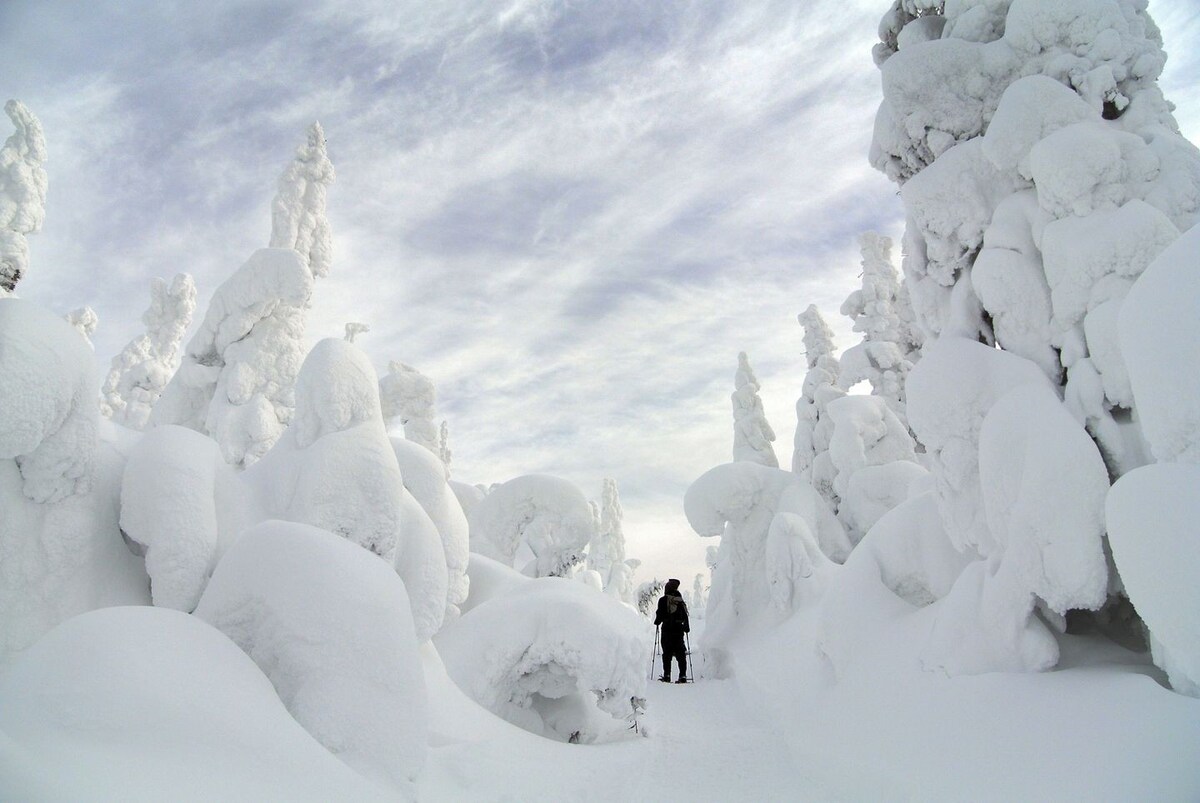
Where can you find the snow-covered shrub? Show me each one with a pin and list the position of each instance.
(409, 396)
(547, 514)
(157, 700)
(335, 468)
(425, 479)
(546, 653)
(820, 387)
(752, 435)
(330, 625)
(144, 367)
(182, 505)
(236, 381)
(22, 193)
(298, 218)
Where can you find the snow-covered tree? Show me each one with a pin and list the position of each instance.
(85, 320)
(353, 330)
(820, 387)
(409, 395)
(1041, 170)
(699, 596)
(237, 379)
(752, 435)
(879, 310)
(298, 219)
(142, 369)
(22, 193)
(647, 595)
(444, 452)
(607, 548)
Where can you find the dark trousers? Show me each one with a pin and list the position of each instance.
(673, 647)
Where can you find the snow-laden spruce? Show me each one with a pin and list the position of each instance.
(238, 373)
(237, 378)
(752, 435)
(22, 193)
(85, 321)
(820, 387)
(298, 219)
(540, 524)
(606, 552)
(410, 397)
(880, 311)
(142, 369)
(547, 654)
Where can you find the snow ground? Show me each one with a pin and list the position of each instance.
(704, 744)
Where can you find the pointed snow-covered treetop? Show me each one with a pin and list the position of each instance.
(813, 430)
(752, 435)
(144, 367)
(22, 193)
(410, 396)
(444, 445)
(886, 353)
(298, 217)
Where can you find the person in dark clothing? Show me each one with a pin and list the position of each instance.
(672, 615)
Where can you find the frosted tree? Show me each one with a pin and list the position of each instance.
(1041, 171)
(444, 445)
(141, 371)
(298, 218)
(409, 396)
(813, 430)
(647, 595)
(22, 193)
(85, 320)
(752, 435)
(699, 596)
(353, 330)
(889, 344)
(237, 379)
(607, 549)
(238, 375)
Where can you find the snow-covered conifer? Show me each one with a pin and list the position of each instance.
(85, 320)
(820, 387)
(353, 330)
(144, 367)
(22, 193)
(237, 379)
(607, 549)
(752, 435)
(886, 352)
(298, 218)
(444, 445)
(699, 596)
(647, 595)
(409, 395)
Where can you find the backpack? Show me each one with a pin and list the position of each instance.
(676, 610)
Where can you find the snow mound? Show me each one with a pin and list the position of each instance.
(1160, 339)
(329, 624)
(48, 398)
(425, 478)
(157, 700)
(183, 505)
(1152, 514)
(1044, 484)
(545, 653)
(548, 514)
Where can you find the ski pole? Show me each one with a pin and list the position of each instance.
(654, 651)
(687, 636)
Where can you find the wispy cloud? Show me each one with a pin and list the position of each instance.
(571, 215)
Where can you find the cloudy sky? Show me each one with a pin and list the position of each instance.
(570, 214)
